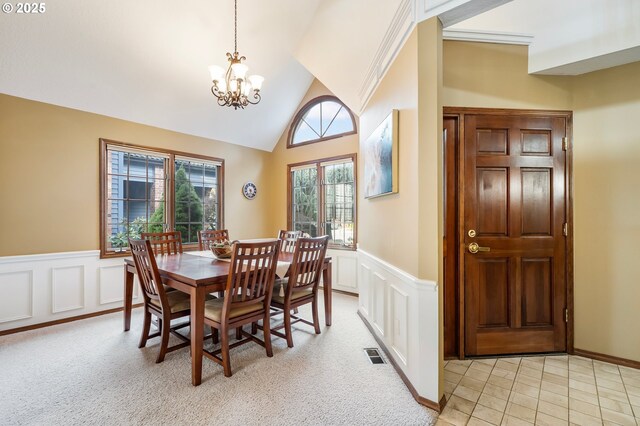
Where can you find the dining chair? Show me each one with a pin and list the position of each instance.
(166, 306)
(301, 286)
(288, 239)
(164, 242)
(247, 299)
(213, 236)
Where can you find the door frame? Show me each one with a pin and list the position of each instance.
(458, 113)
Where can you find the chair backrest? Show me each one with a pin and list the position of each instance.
(164, 242)
(147, 271)
(214, 236)
(288, 239)
(251, 274)
(307, 264)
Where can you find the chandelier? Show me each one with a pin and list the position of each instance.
(232, 87)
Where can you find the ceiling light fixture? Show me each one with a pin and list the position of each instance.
(233, 88)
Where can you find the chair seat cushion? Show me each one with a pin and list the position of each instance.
(295, 296)
(213, 309)
(178, 301)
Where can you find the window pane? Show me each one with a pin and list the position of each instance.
(184, 231)
(136, 189)
(330, 110)
(137, 209)
(196, 198)
(116, 163)
(341, 124)
(339, 203)
(348, 170)
(133, 180)
(116, 236)
(210, 175)
(304, 133)
(312, 118)
(137, 165)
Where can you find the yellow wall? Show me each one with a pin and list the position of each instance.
(282, 156)
(388, 225)
(606, 148)
(495, 76)
(606, 163)
(49, 176)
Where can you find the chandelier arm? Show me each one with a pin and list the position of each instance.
(256, 96)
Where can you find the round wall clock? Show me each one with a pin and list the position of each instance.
(249, 190)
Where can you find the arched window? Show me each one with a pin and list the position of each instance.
(322, 118)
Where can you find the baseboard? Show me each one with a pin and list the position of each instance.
(607, 358)
(64, 320)
(437, 406)
(346, 293)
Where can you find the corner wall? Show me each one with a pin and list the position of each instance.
(399, 255)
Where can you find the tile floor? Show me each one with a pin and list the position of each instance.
(542, 390)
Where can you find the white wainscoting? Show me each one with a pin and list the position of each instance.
(47, 287)
(403, 312)
(344, 272)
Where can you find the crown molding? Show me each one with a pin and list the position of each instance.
(487, 37)
(403, 22)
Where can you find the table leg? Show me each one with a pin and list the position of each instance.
(197, 334)
(326, 285)
(128, 297)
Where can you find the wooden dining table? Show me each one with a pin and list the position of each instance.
(199, 276)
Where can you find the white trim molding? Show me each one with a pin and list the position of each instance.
(403, 22)
(47, 287)
(402, 311)
(487, 36)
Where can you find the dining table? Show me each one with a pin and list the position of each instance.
(198, 274)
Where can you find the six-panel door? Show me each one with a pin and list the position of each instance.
(514, 200)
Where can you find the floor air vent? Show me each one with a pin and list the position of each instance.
(374, 356)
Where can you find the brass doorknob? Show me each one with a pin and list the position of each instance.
(474, 248)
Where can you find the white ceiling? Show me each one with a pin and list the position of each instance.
(570, 37)
(146, 61)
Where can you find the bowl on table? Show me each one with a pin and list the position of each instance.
(222, 249)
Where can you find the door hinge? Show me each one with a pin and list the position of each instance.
(566, 315)
(565, 143)
(565, 229)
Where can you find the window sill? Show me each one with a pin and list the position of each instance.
(344, 248)
(115, 254)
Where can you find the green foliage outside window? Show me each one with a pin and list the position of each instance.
(188, 209)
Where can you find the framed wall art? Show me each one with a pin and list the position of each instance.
(381, 158)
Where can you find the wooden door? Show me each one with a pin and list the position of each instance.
(514, 210)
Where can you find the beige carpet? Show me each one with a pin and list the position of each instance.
(91, 372)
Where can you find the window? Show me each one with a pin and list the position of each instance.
(148, 190)
(196, 198)
(322, 199)
(323, 118)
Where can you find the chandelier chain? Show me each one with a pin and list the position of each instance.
(235, 26)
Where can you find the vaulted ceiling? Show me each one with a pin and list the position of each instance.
(146, 60)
